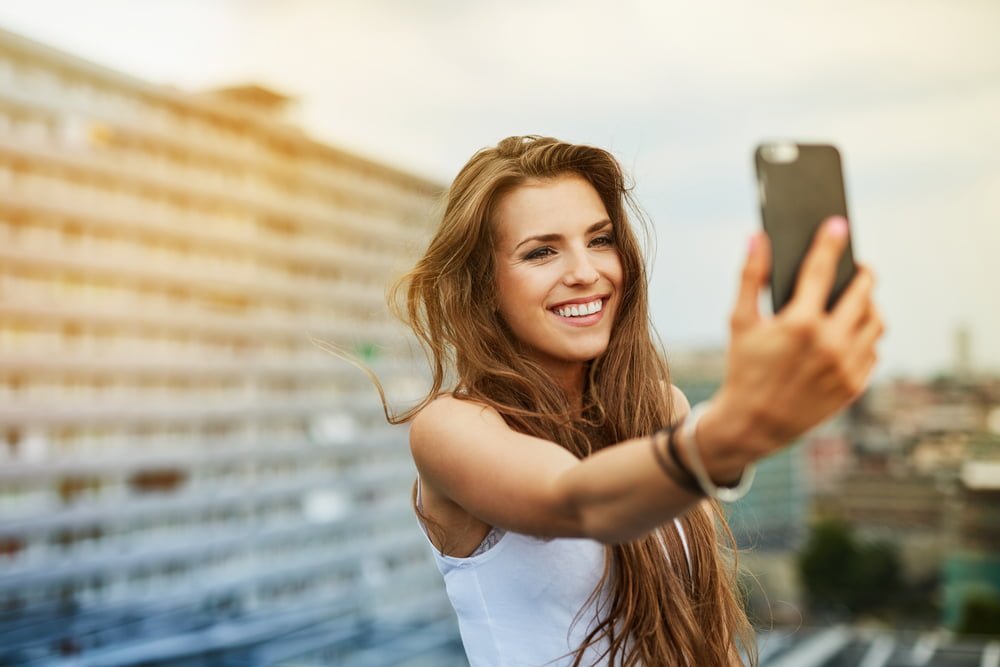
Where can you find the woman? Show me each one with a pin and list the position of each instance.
(570, 528)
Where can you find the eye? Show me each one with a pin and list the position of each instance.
(603, 240)
(540, 253)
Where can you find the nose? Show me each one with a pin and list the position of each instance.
(580, 270)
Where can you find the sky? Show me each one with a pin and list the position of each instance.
(680, 92)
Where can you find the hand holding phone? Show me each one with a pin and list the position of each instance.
(788, 373)
(800, 186)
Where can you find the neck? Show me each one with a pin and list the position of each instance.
(571, 378)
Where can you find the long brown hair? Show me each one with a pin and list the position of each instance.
(658, 611)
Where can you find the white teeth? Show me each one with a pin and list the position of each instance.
(579, 310)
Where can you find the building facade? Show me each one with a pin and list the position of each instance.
(178, 456)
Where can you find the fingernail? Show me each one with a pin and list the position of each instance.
(837, 226)
(754, 241)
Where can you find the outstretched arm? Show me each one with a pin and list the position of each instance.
(785, 374)
(530, 485)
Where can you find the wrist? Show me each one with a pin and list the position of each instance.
(727, 491)
(726, 439)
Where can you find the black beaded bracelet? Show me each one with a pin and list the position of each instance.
(672, 450)
(679, 474)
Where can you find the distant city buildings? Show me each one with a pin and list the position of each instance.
(926, 476)
(913, 463)
(972, 566)
(173, 446)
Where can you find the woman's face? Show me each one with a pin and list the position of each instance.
(559, 275)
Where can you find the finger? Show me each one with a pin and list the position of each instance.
(856, 350)
(853, 306)
(865, 372)
(863, 342)
(853, 380)
(818, 270)
(872, 329)
(755, 276)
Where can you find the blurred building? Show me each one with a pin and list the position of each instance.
(178, 459)
(972, 567)
(698, 372)
(926, 479)
(904, 508)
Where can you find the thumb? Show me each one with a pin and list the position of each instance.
(756, 272)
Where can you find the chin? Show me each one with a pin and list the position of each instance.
(580, 354)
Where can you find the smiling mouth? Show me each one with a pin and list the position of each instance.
(581, 310)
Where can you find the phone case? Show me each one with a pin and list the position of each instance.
(800, 185)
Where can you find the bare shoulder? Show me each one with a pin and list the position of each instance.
(470, 456)
(439, 433)
(681, 404)
(446, 405)
(443, 416)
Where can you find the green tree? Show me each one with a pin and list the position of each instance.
(838, 573)
(980, 615)
(822, 564)
(877, 581)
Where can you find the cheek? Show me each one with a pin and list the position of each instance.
(506, 297)
(521, 296)
(614, 273)
(616, 270)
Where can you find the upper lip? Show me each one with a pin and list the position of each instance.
(582, 299)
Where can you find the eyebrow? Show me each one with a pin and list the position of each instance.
(555, 237)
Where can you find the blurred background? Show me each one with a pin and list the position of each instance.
(193, 193)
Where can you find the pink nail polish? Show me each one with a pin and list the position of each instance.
(837, 226)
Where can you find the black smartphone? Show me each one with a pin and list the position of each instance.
(800, 185)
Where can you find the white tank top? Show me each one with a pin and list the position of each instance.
(516, 597)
